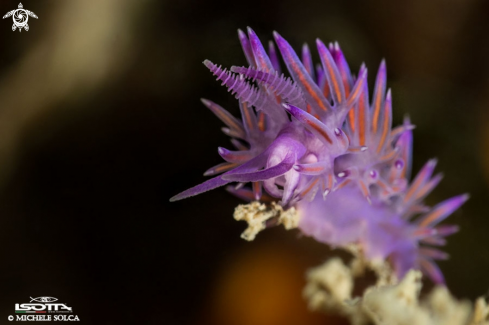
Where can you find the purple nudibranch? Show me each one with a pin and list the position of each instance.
(318, 131)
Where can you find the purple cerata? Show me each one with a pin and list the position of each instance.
(316, 141)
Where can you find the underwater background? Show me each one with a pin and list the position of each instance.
(101, 123)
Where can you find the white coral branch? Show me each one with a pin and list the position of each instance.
(257, 214)
(329, 288)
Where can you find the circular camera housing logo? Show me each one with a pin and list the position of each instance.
(44, 299)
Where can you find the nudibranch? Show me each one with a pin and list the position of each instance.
(317, 142)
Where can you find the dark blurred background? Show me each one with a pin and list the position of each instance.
(101, 123)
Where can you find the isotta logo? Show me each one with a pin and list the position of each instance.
(42, 305)
(45, 309)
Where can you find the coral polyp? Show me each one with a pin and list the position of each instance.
(315, 141)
